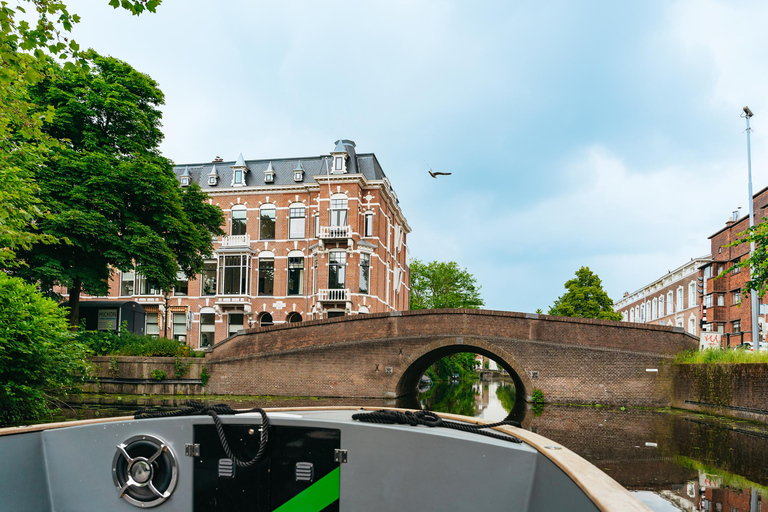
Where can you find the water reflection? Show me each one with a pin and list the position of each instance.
(673, 460)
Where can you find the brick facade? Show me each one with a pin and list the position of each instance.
(300, 235)
(727, 300)
(671, 300)
(383, 355)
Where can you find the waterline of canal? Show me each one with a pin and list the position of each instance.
(674, 460)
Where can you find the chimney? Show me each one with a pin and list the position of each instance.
(218, 159)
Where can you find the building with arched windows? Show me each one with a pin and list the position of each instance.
(306, 238)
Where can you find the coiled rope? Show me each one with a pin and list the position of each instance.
(195, 408)
(430, 419)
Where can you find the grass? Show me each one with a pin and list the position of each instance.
(713, 356)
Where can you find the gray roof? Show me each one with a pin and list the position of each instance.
(365, 164)
(240, 161)
(213, 172)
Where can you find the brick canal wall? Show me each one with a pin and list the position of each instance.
(571, 360)
(737, 390)
(133, 375)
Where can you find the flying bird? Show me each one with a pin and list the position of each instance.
(435, 174)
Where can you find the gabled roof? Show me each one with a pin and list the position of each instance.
(240, 161)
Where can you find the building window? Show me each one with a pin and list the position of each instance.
(235, 323)
(736, 269)
(708, 272)
(239, 220)
(631, 315)
(182, 285)
(642, 313)
(207, 329)
(293, 317)
(365, 273)
(209, 279)
(267, 222)
(314, 274)
(338, 163)
(212, 180)
(297, 222)
(126, 283)
(679, 298)
(708, 300)
(654, 310)
(295, 275)
(145, 287)
(692, 325)
(670, 305)
(691, 294)
(368, 225)
(238, 177)
(180, 326)
(234, 274)
(152, 329)
(720, 299)
(298, 176)
(317, 226)
(339, 212)
(736, 326)
(737, 297)
(337, 265)
(661, 306)
(265, 319)
(266, 276)
(184, 182)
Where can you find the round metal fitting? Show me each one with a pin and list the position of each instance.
(145, 471)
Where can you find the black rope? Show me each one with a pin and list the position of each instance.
(430, 419)
(199, 408)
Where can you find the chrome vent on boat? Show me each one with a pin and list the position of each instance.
(144, 470)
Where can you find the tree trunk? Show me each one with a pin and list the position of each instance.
(74, 304)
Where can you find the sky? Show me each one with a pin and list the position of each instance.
(592, 133)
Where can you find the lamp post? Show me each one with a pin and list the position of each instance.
(752, 293)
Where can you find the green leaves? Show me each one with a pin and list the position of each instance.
(439, 285)
(585, 298)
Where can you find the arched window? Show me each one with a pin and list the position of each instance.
(339, 207)
(368, 224)
(295, 273)
(692, 294)
(654, 305)
(239, 219)
(670, 303)
(632, 315)
(692, 325)
(267, 222)
(266, 273)
(297, 214)
(661, 306)
(363, 310)
(265, 319)
(293, 317)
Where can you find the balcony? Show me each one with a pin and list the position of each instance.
(236, 241)
(335, 232)
(333, 295)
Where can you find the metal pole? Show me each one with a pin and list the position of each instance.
(165, 323)
(752, 293)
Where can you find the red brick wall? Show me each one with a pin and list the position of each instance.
(577, 360)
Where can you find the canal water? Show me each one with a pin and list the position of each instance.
(672, 460)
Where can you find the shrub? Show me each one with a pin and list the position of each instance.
(180, 368)
(157, 374)
(204, 376)
(537, 401)
(39, 357)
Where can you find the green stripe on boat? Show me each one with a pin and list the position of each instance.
(316, 497)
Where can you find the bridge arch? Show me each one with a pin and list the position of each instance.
(428, 355)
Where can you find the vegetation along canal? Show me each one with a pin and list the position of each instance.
(674, 460)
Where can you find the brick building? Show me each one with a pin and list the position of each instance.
(672, 299)
(306, 238)
(726, 300)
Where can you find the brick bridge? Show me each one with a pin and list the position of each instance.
(572, 360)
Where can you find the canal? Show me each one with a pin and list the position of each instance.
(672, 460)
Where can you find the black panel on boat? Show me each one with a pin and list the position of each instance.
(298, 458)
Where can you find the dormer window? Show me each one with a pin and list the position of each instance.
(238, 177)
(238, 172)
(185, 182)
(338, 163)
(298, 176)
(269, 174)
(212, 180)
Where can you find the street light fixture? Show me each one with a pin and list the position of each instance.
(752, 293)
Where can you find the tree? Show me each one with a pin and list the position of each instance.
(585, 298)
(757, 262)
(38, 356)
(439, 285)
(108, 191)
